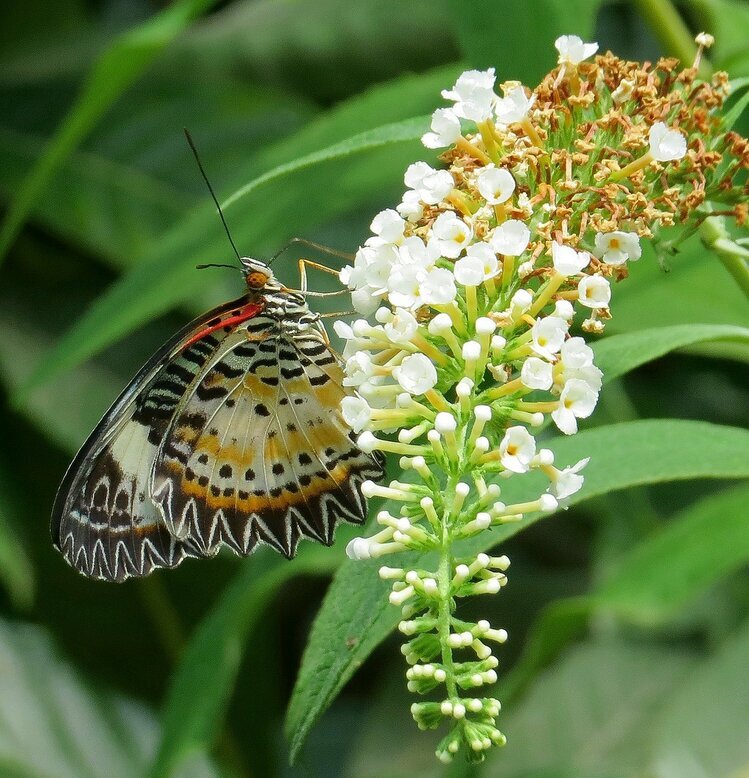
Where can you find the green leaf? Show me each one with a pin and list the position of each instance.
(619, 354)
(527, 51)
(734, 113)
(119, 66)
(697, 288)
(662, 574)
(169, 276)
(590, 716)
(698, 547)
(201, 687)
(133, 179)
(622, 455)
(702, 731)
(53, 724)
(399, 132)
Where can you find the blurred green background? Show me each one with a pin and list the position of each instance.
(628, 614)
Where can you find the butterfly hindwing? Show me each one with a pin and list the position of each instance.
(104, 521)
(260, 452)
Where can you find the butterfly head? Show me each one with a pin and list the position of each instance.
(257, 275)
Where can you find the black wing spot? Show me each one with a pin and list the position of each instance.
(277, 468)
(249, 474)
(305, 459)
(261, 410)
(225, 471)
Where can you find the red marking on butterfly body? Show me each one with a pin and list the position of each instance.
(242, 314)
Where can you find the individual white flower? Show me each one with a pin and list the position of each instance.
(564, 309)
(567, 261)
(451, 234)
(536, 374)
(594, 291)
(665, 144)
(567, 482)
(445, 129)
(410, 207)
(413, 251)
(469, 271)
(402, 326)
(615, 248)
(548, 336)
(514, 106)
(432, 185)
(488, 258)
(416, 374)
(346, 333)
(403, 285)
(473, 94)
(577, 401)
(356, 413)
(575, 352)
(364, 301)
(438, 288)
(372, 266)
(517, 449)
(510, 238)
(572, 50)
(521, 301)
(495, 184)
(576, 359)
(359, 368)
(389, 226)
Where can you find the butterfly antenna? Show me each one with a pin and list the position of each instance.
(210, 189)
(310, 243)
(214, 264)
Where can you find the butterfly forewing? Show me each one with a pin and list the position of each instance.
(230, 434)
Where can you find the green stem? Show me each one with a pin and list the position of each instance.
(734, 257)
(671, 31)
(444, 581)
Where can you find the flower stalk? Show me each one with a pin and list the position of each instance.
(474, 282)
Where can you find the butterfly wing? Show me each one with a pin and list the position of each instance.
(260, 452)
(103, 520)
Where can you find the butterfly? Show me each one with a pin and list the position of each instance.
(231, 434)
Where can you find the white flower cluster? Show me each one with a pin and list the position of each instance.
(469, 351)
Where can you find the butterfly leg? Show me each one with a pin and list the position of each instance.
(303, 264)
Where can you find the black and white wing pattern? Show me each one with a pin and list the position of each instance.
(230, 434)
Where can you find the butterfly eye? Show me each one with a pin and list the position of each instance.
(257, 280)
